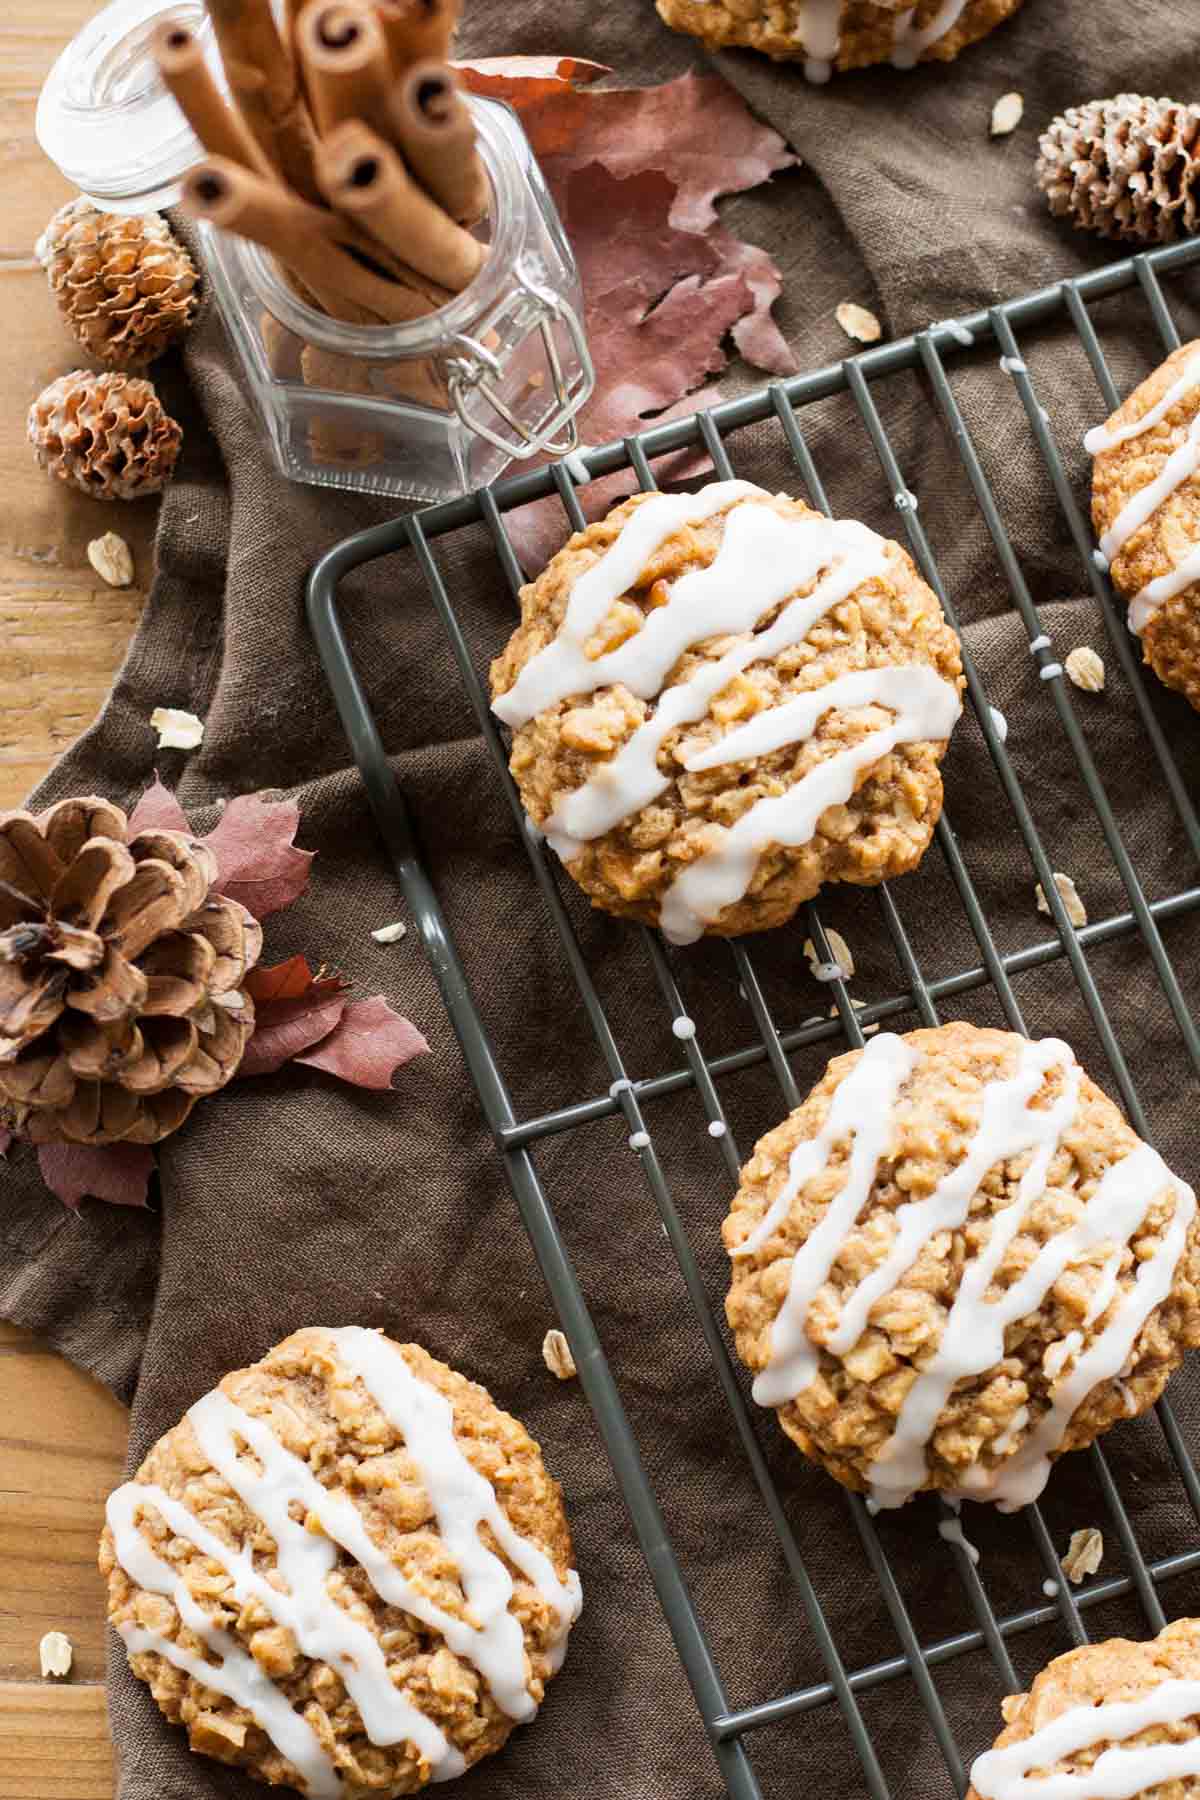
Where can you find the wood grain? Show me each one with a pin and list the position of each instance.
(62, 636)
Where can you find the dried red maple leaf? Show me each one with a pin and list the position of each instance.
(258, 864)
(368, 1045)
(283, 1028)
(289, 980)
(118, 1173)
(522, 79)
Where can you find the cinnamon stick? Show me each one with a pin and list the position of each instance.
(364, 178)
(345, 63)
(418, 30)
(436, 133)
(262, 78)
(304, 238)
(220, 127)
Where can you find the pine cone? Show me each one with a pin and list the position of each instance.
(125, 284)
(106, 434)
(120, 995)
(1127, 168)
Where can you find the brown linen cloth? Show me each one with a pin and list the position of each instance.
(291, 1200)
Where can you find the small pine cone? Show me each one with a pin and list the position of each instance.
(125, 284)
(107, 434)
(1127, 167)
(121, 1002)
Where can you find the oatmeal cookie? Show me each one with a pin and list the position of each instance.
(721, 701)
(345, 1570)
(1146, 509)
(840, 34)
(956, 1261)
(1138, 1705)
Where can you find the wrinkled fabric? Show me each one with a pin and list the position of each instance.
(289, 1200)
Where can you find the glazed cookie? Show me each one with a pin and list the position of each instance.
(956, 1261)
(840, 34)
(345, 1570)
(722, 700)
(1146, 509)
(1137, 1706)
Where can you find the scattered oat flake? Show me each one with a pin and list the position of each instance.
(556, 1354)
(1085, 1553)
(1069, 895)
(390, 934)
(56, 1652)
(1086, 669)
(177, 730)
(858, 323)
(1006, 114)
(112, 560)
(839, 949)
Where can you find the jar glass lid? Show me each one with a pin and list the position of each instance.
(105, 117)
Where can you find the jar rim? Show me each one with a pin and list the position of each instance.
(424, 336)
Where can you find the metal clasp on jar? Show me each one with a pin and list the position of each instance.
(479, 370)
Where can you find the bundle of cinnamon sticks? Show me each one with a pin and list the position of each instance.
(345, 147)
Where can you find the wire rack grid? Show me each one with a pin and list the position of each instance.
(783, 402)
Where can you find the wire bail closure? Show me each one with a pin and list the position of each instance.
(480, 369)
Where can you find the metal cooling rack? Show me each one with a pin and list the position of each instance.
(517, 1137)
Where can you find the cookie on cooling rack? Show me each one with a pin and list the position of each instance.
(956, 1261)
(721, 701)
(840, 34)
(345, 1570)
(1137, 1705)
(1146, 509)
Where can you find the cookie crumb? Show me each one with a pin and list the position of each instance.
(1069, 895)
(56, 1653)
(556, 1354)
(177, 730)
(112, 560)
(858, 323)
(1086, 669)
(842, 966)
(1085, 1553)
(1006, 114)
(390, 934)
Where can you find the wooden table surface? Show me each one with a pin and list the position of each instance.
(62, 635)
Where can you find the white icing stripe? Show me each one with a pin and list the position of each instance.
(237, 1675)
(861, 1110)
(907, 688)
(720, 877)
(1145, 604)
(819, 31)
(1121, 1203)
(784, 554)
(909, 40)
(562, 669)
(1101, 438)
(463, 1501)
(973, 1336)
(1118, 1773)
(1145, 503)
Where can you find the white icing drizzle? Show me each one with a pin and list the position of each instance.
(1050, 1589)
(763, 557)
(1101, 438)
(490, 1638)
(1145, 604)
(236, 1675)
(1000, 723)
(1050, 670)
(861, 1110)
(951, 1530)
(972, 1339)
(717, 1128)
(818, 31)
(1182, 463)
(1118, 1773)
(909, 41)
(1039, 643)
(926, 710)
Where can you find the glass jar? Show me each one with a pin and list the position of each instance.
(422, 411)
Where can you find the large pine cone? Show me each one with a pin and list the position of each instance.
(109, 435)
(120, 976)
(1126, 167)
(125, 284)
